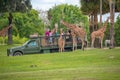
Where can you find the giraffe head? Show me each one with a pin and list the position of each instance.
(61, 21)
(10, 25)
(56, 25)
(108, 18)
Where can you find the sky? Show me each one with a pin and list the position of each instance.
(47, 4)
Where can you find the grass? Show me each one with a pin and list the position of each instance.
(94, 64)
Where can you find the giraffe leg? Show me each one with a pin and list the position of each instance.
(61, 49)
(76, 45)
(73, 47)
(101, 42)
(63, 46)
(92, 42)
(105, 43)
(3, 40)
(83, 45)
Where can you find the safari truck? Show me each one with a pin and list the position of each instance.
(41, 45)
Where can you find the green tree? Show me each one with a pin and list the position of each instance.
(24, 24)
(92, 8)
(11, 6)
(117, 31)
(28, 23)
(69, 13)
(3, 20)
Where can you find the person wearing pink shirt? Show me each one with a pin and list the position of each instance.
(47, 35)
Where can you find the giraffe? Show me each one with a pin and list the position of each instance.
(61, 41)
(74, 40)
(4, 31)
(99, 34)
(54, 30)
(80, 32)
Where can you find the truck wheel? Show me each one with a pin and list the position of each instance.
(17, 54)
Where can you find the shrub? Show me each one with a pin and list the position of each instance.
(16, 40)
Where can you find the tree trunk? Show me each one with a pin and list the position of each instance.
(91, 25)
(100, 13)
(112, 9)
(95, 22)
(96, 43)
(10, 29)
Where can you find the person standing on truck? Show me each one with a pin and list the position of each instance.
(62, 33)
(68, 35)
(50, 39)
(47, 35)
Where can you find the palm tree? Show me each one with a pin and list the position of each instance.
(100, 12)
(112, 11)
(92, 8)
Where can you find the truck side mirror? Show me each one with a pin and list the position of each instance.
(26, 46)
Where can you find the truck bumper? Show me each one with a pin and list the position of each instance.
(9, 53)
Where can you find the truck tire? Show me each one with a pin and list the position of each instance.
(17, 54)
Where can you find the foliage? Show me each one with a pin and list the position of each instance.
(15, 5)
(117, 31)
(11, 6)
(68, 13)
(94, 64)
(3, 20)
(16, 40)
(92, 6)
(28, 23)
(24, 24)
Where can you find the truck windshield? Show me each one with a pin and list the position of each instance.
(32, 43)
(26, 43)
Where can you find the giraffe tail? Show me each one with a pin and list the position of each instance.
(85, 41)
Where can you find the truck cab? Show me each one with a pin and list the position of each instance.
(40, 45)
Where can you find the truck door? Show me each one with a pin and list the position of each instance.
(32, 47)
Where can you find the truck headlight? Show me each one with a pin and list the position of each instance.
(10, 50)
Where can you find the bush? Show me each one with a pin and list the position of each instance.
(117, 31)
(16, 40)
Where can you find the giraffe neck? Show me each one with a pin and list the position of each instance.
(66, 24)
(105, 25)
(4, 30)
(106, 22)
(7, 27)
(103, 29)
